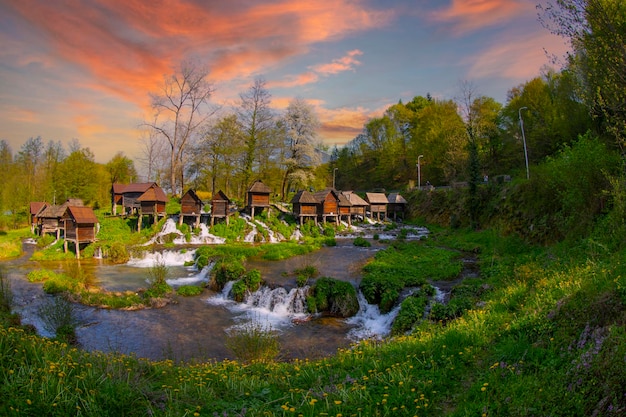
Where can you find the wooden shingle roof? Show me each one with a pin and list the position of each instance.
(154, 193)
(136, 187)
(344, 201)
(303, 197)
(321, 195)
(37, 206)
(191, 193)
(354, 198)
(395, 198)
(376, 198)
(260, 187)
(220, 196)
(81, 215)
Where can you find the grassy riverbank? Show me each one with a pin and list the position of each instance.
(546, 336)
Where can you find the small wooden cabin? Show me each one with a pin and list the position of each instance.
(190, 206)
(378, 205)
(220, 207)
(79, 225)
(358, 206)
(344, 208)
(117, 196)
(151, 203)
(36, 207)
(258, 197)
(396, 206)
(304, 206)
(126, 195)
(50, 218)
(327, 205)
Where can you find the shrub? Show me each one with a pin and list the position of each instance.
(58, 317)
(157, 275)
(411, 312)
(226, 270)
(118, 253)
(253, 342)
(40, 275)
(334, 297)
(189, 290)
(304, 274)
(362, 242)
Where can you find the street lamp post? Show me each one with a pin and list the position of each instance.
(521, 124)
(334, 171)
(419, 173)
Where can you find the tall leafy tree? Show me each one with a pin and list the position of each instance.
(78, 176)
(120, 169)
(221, 147)
(596, 30)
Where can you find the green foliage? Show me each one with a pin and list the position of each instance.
(157, 275)
(405, 264)
(565, 194)
(361, 242)
(253, 342)
(334, 297)
(58, 316)
(6, 293)
(189, 290)
(310, 229)
(117, 253)
(304, 274)
(225, 270)
(60, 283)
(249, 282)
(236, 229)
(411, 312)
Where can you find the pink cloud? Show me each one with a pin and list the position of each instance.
(469, 15)
(345, 63)
(127, 45)
(516, 59)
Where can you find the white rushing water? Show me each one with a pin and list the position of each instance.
(203, 237)
(192, 279)
(276, 307)
(167, 258)
(369, 322)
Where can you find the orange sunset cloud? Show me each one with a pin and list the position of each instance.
(469, 15)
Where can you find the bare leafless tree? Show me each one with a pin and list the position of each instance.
(180, 108)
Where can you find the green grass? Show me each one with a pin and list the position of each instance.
(11, 242)
(548, 338)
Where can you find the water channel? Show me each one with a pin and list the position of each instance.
(194, 328)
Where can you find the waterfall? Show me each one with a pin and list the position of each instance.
(167, 258)
(277, 306)
(202, 276)
(168, 228)
(204, 237)
(370, 322)
(279, 301)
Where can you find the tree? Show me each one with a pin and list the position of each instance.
(78, 176)
(180, 108)
(257, 123)
(300, 130)
(596, 30)
(221, 146)
(120, 169)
